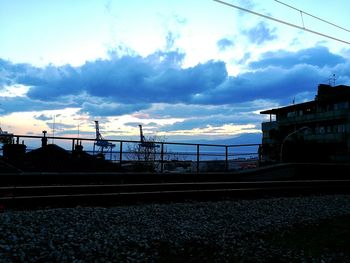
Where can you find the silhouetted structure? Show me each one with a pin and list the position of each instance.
(313, 131)
(146, 151)
(146, 143)
(50, 158)
(101, 143)
(5, 137)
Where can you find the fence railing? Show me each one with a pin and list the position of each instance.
(161, 156)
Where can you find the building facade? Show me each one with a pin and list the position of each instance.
(313, 131)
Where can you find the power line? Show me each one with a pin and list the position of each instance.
(281, 21)
(313, 16)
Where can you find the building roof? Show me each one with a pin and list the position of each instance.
(289, 108)
(325, 93)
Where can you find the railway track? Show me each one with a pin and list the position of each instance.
(119, 194)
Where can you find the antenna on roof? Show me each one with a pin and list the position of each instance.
(331, 80)
(78, 129)
(53, 128)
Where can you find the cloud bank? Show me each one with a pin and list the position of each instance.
(158, 84)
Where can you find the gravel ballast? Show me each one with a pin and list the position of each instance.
(222, 231)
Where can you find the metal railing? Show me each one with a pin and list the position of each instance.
(162, 156)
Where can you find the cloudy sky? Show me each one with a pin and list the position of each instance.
(184, 69)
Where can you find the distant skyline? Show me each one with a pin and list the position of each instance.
(185, 69)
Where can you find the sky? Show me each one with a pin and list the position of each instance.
(184, 69)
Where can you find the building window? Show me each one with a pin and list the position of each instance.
(341, 128)
(321, 130)
(335, 128)
(341, 105)
(291, 114)
(266, 134)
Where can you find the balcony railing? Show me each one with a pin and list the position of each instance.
(312, 117)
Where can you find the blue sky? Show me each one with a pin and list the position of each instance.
(185, 69)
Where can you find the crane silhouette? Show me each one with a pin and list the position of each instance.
(101, 144)
(147, 147)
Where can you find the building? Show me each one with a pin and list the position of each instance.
(313, 131)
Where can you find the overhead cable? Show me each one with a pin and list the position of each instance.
(313, 16)
(281, 21)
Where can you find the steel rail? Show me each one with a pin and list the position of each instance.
(158, 192)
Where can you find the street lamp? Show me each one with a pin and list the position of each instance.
(290, 134)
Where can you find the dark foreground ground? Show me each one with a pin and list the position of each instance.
(327, 240)
(295, 229)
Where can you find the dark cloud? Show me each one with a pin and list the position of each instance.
(42, 117)
(200, 116)
(10, 72)
(316, 56)
(260, 34)
(136, 124)
(240, 118)
(202, 111)
(244, 59)
(17, 73)
(131, 83)
(24, 104)
(224, 43)
(270, 83)
(128, 80)
(111, 109)
(5, 79)
(58, 126)
(342, 73)
(132, 124)
(52, 82)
